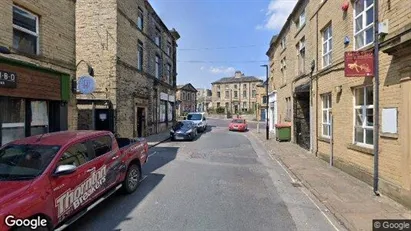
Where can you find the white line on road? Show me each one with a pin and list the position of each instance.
(152, 154)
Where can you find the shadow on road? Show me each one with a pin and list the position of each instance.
(116, 209)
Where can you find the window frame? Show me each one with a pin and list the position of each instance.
(140, 16)
(24, 30)
(363, 109)
(301, 22)
(169, 79)
(158, 37)
(301, 56)
(140, 55)
(327, 122)
(327, 30)
(157, 67)
(365, 27)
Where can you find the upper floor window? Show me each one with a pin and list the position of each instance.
(235, 86)
(140, 19)
(157, 39)
(169, 76)
(283, 43)
(364, 23)
(327, 46)
(184, 96)
(244, 85)
(218, 94)
(244, 94)
(227, 94)
(188, 96)
(140, 56)
(157, 67)
(301, 56)
(253, 93)
(235, 94)
(169, 48)
(301, 19)
(25, 31)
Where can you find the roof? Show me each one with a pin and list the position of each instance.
(243, 79)
(187, 87)
(59, 138)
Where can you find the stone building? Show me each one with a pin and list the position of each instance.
(203, 99)
(186, 99)
(261, 102)
(341, 107)
(236, 94)
(133, 54)
(37, 62)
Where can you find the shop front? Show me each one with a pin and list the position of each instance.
(272, 111)
(33, 100)
(167, 110)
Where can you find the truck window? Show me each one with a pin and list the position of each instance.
(101, 145)
(75, 155)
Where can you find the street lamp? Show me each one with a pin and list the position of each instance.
(266, 93)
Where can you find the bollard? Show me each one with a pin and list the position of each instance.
(258, 127)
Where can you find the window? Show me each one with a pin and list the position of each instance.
(13, 122)
(326, 116)
(162, 111)
(218, 104)
(170, 111)
(75, 155)
(283, 68)
(244, 94)
(301, 19)
(363, 23)
(244, 105)
(102, 145)
(188, 96)
(327, 46)
(157, 39)
(193, 96)
(235, 86)
(227, 94)
(253, 93)
(184, 96)
(25, 31)
(244, 85)
(283, 43)
(301, 56)
(264, 100)
(288, 109)
(169, 79)
(158, 67)
(169, 48)
(364, 116)
(140, 19)
(218, 94)
(140, 56)
(235, 94)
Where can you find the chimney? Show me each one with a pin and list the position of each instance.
(238, 74)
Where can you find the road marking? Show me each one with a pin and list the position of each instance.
(152, 154)
(144, 177)
(301, 189)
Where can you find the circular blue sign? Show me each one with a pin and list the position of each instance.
(86, 84)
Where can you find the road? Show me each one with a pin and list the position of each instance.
(220, 181)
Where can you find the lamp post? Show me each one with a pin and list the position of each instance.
(266, 93)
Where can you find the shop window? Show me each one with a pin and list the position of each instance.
(170, 111)
(39, 118)
(25, 31)
(162, 111)
(364, 116)
(12, 119)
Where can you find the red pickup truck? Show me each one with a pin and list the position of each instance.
(49, 181)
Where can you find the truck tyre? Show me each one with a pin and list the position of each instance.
(133, 178)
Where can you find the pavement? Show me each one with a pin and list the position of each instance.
(156, 139)
(350, 200)
(220, 181)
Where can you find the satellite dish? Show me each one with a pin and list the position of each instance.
(86, 84)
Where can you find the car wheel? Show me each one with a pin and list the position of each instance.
(133, 179)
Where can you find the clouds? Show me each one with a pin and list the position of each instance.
(219, 70)
(277, 14)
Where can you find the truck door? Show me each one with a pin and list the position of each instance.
(73, 191)
(107, 158)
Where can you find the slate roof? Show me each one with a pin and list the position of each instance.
(242, 79)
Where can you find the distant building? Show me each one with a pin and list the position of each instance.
(236, 94)
(203, 99)
(186, 99)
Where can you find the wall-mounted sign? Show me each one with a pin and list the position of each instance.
(86, 84)
(359, 64)
(171, 98)
(8, 79)
(163, 96)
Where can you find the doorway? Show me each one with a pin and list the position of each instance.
(302, 120)
(140, 121)
(102, 121)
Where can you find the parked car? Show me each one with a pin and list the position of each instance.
(199, 120)
(238, 125)
(58, 177)
(183, 130)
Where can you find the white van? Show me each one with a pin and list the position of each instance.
(199, 120)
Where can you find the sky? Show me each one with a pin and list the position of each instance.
(219, 37)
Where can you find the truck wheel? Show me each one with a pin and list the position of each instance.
(133, 179)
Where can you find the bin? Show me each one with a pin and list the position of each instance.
(283, 132)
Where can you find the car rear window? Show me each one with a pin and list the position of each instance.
(194, 117)
(238, 121)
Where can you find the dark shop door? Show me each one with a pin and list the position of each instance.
(102, 120)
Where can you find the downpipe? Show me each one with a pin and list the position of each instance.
(376, 99)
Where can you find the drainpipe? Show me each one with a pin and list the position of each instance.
(316, 90)
(376, 98)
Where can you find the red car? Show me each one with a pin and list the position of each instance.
(49, 181)
(238, 125)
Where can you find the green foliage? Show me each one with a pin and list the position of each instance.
(220, 110)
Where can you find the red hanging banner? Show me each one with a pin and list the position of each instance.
(359, 64)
